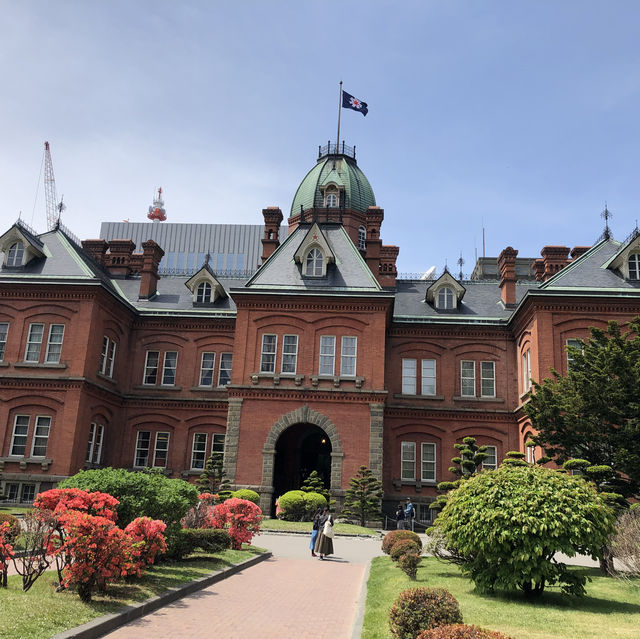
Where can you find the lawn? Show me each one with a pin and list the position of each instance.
(59, 611)
(305, 526)
(611, 608)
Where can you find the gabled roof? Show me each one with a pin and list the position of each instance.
(446, 279)
(205, 273)
(314, 238)
(20, 233)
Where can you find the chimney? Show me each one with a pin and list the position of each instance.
(554, 258)
(271, 241)
(577, 251)
(538, 269)
(152, 254)
(96, 249)
(507, 266)
(388, 273)
(374, 217)
(119, 257)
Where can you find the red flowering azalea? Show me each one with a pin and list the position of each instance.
(6, 551)
(59, 500)
(240, 517)
(147, 539)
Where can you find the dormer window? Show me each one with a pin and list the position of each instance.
(314, 263)
(446, 299)
(634, 266)
(446, 293)
(15, 254)
(203, 293)
(331, 197)
(362, 238)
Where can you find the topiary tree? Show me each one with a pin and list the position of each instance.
(314, 484)
(409, 564)
(514, 458)
(420, 609)
(461, 631)
(402, 547)
(504, 528)
(391, 538)
(313, 501)
(292, 506)
(362, 499)
(248, 494)
(212, 479)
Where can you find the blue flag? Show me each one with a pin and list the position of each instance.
(349, 102)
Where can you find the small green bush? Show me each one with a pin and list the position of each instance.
(293, 506)
(461, 631)
(396, 535)
(313, 501)
(14, 524)
(248, 494)
(402, 547)
(421, 609)
(179, 543)
(208, 539)
(409, 564)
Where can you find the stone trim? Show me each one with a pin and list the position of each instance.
(376, 433)
(232, 438)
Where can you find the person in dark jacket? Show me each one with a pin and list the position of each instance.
(400, 517)
(315, 530)
(324, 542)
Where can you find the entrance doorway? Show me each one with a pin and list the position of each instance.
(301, 449)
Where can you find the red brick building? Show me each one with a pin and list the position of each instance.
(321, 359)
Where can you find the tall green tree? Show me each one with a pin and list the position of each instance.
(593, 413)
(362, 499)
(212, 479)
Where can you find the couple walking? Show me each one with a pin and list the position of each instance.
(322, 534)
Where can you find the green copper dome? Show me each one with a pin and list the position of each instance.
(340, 169)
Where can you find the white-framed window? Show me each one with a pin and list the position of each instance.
(428, 376)
(487, 379)
(268, 353)
(107, 356)
(428, 461)
(526, 370)
(217, 444)
(408, 461)
(425, 514)
(327, 354)
(94, 445)
(4, 330)
(348, 356)
(203, 293)
(634, 266)
(161, 450)
(199, 451)
(331, 200)
(143, 443)
(289, 353)
(446, 299)
(467, 378)
(40, 436)
(576, 343)
(531, 453)
(19, 436)
(409, 374)
(54, 344)
(27, 493)
(169, 368)
(491, 462)
(34, 343)
(151, 364)
(362, 238)
(207, 366)
(226, 360)
(313, 263)
(15, 254)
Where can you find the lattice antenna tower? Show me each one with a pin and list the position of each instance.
(460, 264)
(606, 215)
(54, 208)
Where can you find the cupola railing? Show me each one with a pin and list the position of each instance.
(331, 148)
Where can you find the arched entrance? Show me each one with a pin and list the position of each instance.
(300, 450)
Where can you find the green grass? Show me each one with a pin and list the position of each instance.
(611, 608)
(305, 526)
(59, 611)
(15, 510)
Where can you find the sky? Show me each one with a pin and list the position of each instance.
(522, 118)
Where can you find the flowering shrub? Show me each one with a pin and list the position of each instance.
(148, 541)
(241, 518)
(201, 515)
(6, 551)
(59, 500)
(460, 631)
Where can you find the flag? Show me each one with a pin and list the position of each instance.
(349, 102)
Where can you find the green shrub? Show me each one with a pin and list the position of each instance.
(421, 609)
(402, 547)
(293, 506)
(409, 564)
(313, 501)
(461, 631)
(140, 493)
(179, 543)
(14, 524)
(396, 535)
(208, 539)
(248, 494)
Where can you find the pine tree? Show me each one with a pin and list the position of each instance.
(362, 499)
(212, 479)
(314, 484)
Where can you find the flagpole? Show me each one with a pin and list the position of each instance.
(339, 111)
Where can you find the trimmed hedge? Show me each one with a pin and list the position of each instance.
(394, 536)
(207, 539)
(403, 547)
(248, 494)
(409, 564)
(461, 631)
(293, 505)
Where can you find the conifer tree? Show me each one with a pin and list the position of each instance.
(212, 479)
(314, 484)
(362, 499)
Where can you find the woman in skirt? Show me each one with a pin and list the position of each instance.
(324, 542)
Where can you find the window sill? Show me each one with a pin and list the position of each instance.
(157, 387)
(416, 483)
(106, 378)
(24, 461)
(276, 378)
(478, 399)
(438, 398)
(38, 365)
(4, 364)
(207, 389)
(337, 380)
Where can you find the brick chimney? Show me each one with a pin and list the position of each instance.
(374, 217)
(507, 266)
(388, 273)
(577, 251)
(96, 248)
(271, 241)
(152, 254)
(538, 269)
(118, 260)
(554, 258)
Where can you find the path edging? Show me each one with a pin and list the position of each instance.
(101, 625)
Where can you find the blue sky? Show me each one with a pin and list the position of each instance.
(520, 116)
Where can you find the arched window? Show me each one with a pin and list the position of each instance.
(15, 254)
(313, 265)
(203, 292)
(634, 266)
(331, 200)
(362, 238)
(445, 299)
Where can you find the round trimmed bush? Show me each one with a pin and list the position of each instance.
(293, 505)
(421, 609)
(461, 631)
(14, 524)
(394, 536)
(248, 494)
(313, 501)
(208, 539)
(402, 547)
(409, 564)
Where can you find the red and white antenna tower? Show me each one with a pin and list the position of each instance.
(54, 208)
(157, 212)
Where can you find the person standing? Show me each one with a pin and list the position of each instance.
(314, 530)
(409, 514)
(324, 542)
(400, 519)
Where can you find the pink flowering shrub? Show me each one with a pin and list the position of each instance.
(6, 550)
(241, 519)
(59, 500)
(201, 515)
(148, 540)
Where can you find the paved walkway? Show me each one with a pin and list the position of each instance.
(290, 595)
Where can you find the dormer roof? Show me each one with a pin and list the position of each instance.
(206, 274)
(445, 280)
(314, 239)
(33, 247)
